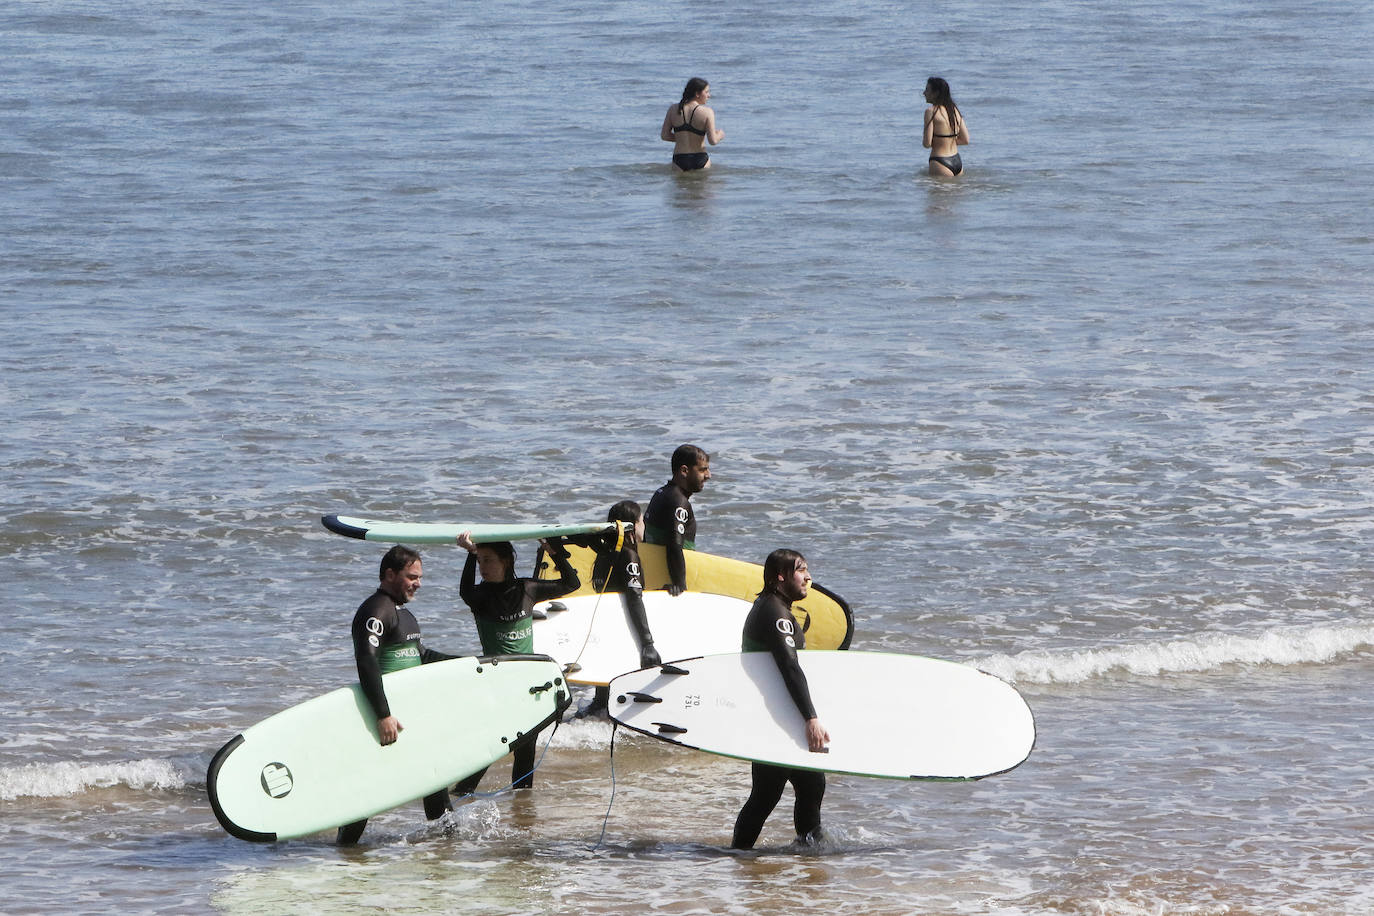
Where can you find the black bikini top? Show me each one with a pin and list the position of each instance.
(687, 123)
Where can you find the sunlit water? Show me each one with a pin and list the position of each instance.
(1095, 417)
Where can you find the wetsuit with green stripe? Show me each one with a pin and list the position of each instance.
(504, 612)
(386, 638)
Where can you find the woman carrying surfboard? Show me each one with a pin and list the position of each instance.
(502, 606)
(770, 627)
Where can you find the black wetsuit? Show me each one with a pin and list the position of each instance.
(771, 628)
(619, 571)
(671, 522)
(503, 612)
(386, 638)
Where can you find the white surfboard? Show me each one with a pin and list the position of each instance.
(594, 632)
(891, 716)
(320, 765)
(402, 532)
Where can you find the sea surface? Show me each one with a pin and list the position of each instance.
(1097, 417)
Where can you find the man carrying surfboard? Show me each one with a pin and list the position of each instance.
(770, 627)
(670, 520)
(386, 638)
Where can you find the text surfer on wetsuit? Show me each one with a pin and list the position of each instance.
(670, 520)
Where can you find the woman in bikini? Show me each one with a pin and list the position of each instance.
(690, 125)
(945, 129)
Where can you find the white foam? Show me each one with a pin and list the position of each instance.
(65, 778)
(1203, 652)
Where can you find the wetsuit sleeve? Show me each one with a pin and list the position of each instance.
(369, 627)
(677, 563)
(430, 655)
(467, 586)
(784, 652)
(546, 589)
(630, 574)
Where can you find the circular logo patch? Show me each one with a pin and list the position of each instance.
(276, 780)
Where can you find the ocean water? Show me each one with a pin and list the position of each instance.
(1097, 417)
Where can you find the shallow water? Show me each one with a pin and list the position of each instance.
(1095, 417)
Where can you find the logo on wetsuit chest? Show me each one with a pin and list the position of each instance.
(277, 780)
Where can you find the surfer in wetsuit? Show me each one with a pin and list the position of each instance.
(670, 520)
(386, 638)
(690, 125)
(770, 627)
(502, 605)
(617, 570)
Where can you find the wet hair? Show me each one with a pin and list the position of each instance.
(505, 552)
(397, 559)
(939, 89)
(627, 511)
(781, 562)
(689, 455)
(691, 91)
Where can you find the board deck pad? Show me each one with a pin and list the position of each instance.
(319, 765)
(824, 616)
(890, 716)
(594, 631)
(403, 532)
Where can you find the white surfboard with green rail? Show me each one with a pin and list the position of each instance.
(320, 765)
(402, 532)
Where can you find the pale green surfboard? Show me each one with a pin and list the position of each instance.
(320, 765)
(397, 532)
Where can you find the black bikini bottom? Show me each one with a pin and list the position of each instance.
(690, 162)
(953, 163)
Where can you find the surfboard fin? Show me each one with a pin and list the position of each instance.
(673, 669)
(645, 698)
(665, 729)
(539, 690)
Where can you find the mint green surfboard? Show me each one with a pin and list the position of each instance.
(320, 765)
(394, 532)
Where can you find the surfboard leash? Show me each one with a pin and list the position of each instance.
(539, 761)
(615, 727)
(605, 584)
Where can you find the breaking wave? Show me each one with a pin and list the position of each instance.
(65, 778)
(1202, 652)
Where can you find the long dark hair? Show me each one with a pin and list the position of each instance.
(940, 90)
(691, 91)
(781, 562)
(505, 552)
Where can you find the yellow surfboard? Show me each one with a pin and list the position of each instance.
(824, 616)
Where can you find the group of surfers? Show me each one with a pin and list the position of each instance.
(690, 124)
(386, 635)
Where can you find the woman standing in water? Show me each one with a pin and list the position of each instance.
(502, 605)
(945, 130)
(690, 125)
